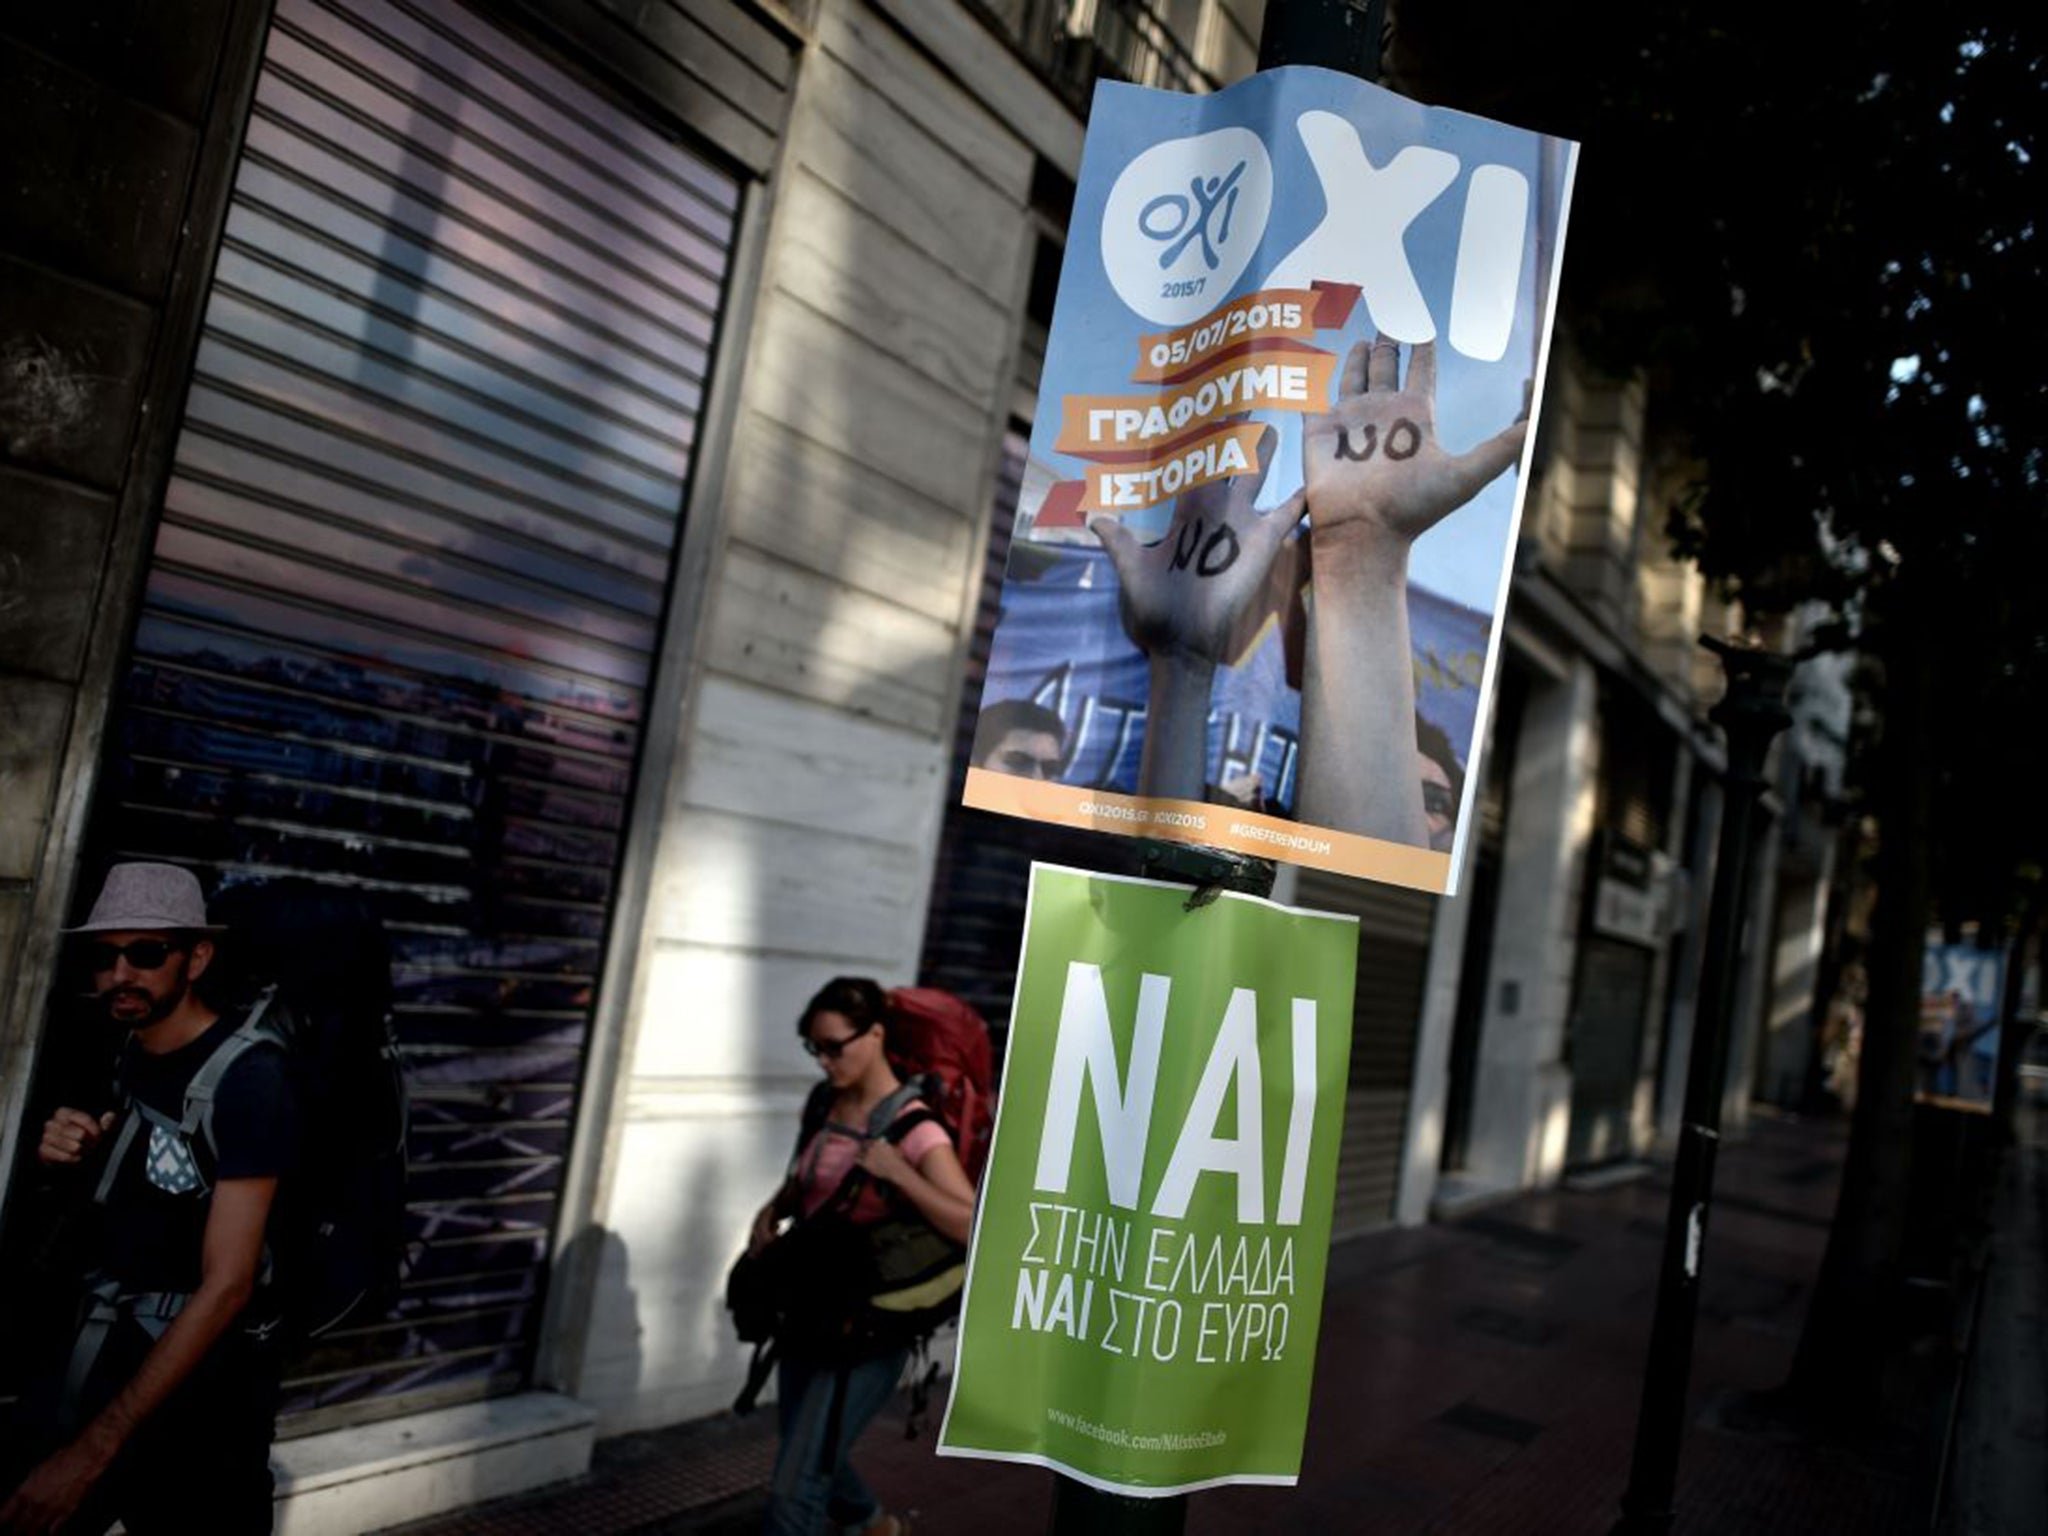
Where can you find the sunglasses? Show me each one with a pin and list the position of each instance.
(143, 954)
(831, 1050)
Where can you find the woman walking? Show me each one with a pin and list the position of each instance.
(831, 1382)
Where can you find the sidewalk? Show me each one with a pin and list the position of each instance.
(1998, 1481)
(1476, 1377)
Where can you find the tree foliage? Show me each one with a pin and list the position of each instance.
(1816, 230)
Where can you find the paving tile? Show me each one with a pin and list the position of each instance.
(1490, 1422)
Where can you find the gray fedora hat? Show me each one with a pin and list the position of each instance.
(143, 896)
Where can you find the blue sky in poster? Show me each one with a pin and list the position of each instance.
(1091, 353)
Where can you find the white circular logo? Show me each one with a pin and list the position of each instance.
(1183, 220)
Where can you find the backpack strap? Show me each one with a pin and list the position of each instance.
(910, 1120)
(199, 1096)
(882, 1118)
(817, 1110)
(889, 1120)
(131, 1122)
(105, 1305)
(156, 1309)
(204, 1088)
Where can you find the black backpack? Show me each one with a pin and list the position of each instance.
(312, 965)
(308, 970)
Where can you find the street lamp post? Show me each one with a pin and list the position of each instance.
(1750, 715)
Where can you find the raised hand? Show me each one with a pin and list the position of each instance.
(1377, 480)
(1181, 598)
(1183, 595)
(1373, 462)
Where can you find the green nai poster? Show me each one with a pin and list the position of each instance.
(1146, 1275)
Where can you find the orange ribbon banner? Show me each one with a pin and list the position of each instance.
(1215, 455)
(1244, 325)
(1276, 313)
(1153, 426)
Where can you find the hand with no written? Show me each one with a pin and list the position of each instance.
(70, 1135)
(1372, 461)
(1183, 595)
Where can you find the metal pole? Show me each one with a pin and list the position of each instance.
(1337, 34)
(1750, 714)
(1077, 1508)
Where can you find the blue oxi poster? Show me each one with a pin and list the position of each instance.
(1276, 474)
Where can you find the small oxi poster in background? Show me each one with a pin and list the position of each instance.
(1264, 536)
(1146, 1276)
(1962, 990)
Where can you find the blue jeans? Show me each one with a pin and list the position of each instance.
(814, 1481)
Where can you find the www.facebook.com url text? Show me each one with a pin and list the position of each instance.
(1199, 1440)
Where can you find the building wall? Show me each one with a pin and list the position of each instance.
(1599, 604)
(1790, 1017)
(720, 68)
(1600, 482)
(1430, 1088)
(1522, 1088)
(113, 178)
(1812, 761)
(799, 820)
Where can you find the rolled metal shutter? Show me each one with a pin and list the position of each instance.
(404, 604)
(983, 872)
(1393, 961)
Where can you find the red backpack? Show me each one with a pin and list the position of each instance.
(941, 1040)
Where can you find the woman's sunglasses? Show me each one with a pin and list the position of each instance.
(143, 954)
(830, 1050)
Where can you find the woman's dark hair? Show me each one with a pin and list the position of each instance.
(859, 999)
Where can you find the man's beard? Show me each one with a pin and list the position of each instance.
(155, 1010)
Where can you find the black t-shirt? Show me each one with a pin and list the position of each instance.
(155, 1218)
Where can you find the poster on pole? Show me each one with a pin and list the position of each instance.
(1145, 1280)
(1962, 989)
(1261, 554)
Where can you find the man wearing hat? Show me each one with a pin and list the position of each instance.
(168, 1405)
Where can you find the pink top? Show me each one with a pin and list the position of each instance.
(829, 1155)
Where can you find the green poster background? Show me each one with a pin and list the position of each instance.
(1106, 1332)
